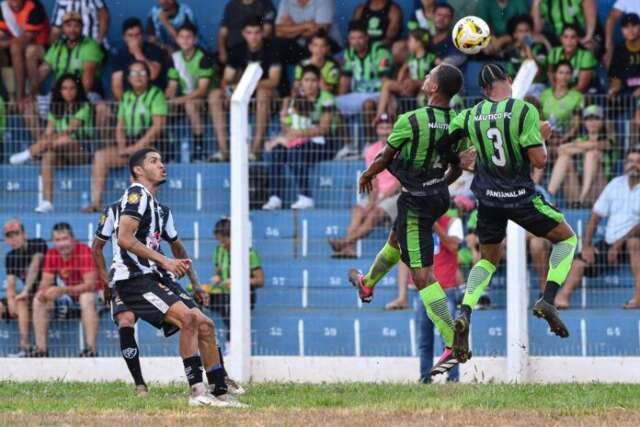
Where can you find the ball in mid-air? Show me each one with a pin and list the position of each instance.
(471, 34)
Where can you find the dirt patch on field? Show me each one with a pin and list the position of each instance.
(320, 417)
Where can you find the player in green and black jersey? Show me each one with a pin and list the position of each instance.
(506, 135)
(415, 158)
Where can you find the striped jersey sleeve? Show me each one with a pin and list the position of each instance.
(135, 201)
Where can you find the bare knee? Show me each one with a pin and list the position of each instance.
(633, 245)
(126, 319)
(189, 321)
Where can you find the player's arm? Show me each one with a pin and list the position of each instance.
(381, 162)
(98, 257)
(451, 143)
(179, 251)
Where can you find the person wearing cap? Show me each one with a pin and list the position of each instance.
(95, 17)
(595, 146)
(619, 8)
(619, 203)
(624, 72)
(23, 265)
(378, 206)
(220, 286)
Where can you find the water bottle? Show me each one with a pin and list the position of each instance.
(85, 200)
(184, 151)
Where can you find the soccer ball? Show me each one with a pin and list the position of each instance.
(471, 34)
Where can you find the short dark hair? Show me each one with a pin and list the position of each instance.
(571, 27)
(357, 25)
(252, 21)
(565, 63)
(222, 227)
(491, 73)
(130, 23)
(445, 6)
(138, 157)
(188, 26)
(633, 150)
(421, 36)
(62, 226)
(310, 68)
(513, 23)
(449, 79)
(321, 34)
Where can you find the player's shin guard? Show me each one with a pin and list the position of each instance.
(435, 302)
(386, 259)
(559, 266)
(478, 280)
(131, 353)
(193, 369)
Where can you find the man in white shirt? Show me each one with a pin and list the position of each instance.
(619, 8)
(620, 204)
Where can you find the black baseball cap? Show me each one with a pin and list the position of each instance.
(630, 18)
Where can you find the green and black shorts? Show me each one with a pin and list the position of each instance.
(537, 216)
(414, 226)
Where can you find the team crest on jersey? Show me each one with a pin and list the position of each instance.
(133, 199)
(103, 219)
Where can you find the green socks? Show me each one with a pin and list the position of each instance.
(384, 262)
(435, 302)
(478, 280)
(560, 260)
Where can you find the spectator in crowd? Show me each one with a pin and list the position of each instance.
(136, 49)
(441, 43)
(256, 48)
(298, 20)
(191, 79)
(66, 140)
(219, 298)
(142, 114)
(583, 62)
(95, 19)
(619, 8)
(380, 205)
(595, 146)
(624, 73)
(23, 264)
(498, 13)
(24, 35)
(236, 13)
(553, 16)
(410, 78)
(319, 50)
(366, 66)
(309, 123)
(525, 45)
(383, 19)
(618, 203)
(71, 262)
(163, 22)
(423, 17)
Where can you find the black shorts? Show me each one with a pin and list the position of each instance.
(414, 226)
(536, 216)
(601, 263)
(147, 298)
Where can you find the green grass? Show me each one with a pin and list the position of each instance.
(563, 399)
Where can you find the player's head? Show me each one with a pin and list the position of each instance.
(632, 163)
(222, 232)
(357, 36)
(493, 76)
(72, 25)
(146, 165)
(630, 23)
(187, 36)
(569, 37)
(62, 236)
(563, 71)
(14, 233)
(445, 79)
(252, 33)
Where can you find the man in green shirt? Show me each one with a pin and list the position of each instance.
(191, 78)
(219, 289)
(583, 62)
(142, 117)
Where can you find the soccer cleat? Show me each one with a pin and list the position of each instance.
(357, 280)
(233, 387)
(548, 312)
(231, 401)
(446, 362)
(141, 390)
(461, 339)
(88, 352)
(208, 399)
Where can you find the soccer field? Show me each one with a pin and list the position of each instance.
(368, 405)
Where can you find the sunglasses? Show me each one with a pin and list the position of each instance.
(138, 74)
(12, 233)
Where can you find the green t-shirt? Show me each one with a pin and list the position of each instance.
(63, 60)
(222, 262)
(367, 73)
(300, 116)
(419, 67)
(137, 111)
(558, 13)
(560, 111)
(501, 133)
(582, 60)
(497, 16)
(330, 72)
(189, 72)
(83, 115)
(417, 165)
(420, 21)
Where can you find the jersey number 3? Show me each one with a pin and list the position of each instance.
(499, 159)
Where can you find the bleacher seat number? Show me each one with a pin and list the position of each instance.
(613, 331)
(275, 331)
(278, 280)
(66, 184)
(335, 280)
(330, 332)
(176, 184)
(331, 230)
(389, 332)
(326, 181)
(495, 331)
(272, 232)
(13, 186)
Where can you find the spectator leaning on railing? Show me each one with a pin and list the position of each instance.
(619, 203)
(72, 262)
(163, 22)
(23, 264)
(95, 19)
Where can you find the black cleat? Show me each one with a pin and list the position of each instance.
(548, 312)
(461, 339)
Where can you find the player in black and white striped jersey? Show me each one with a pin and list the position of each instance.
(143, 278)
(95, 18)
